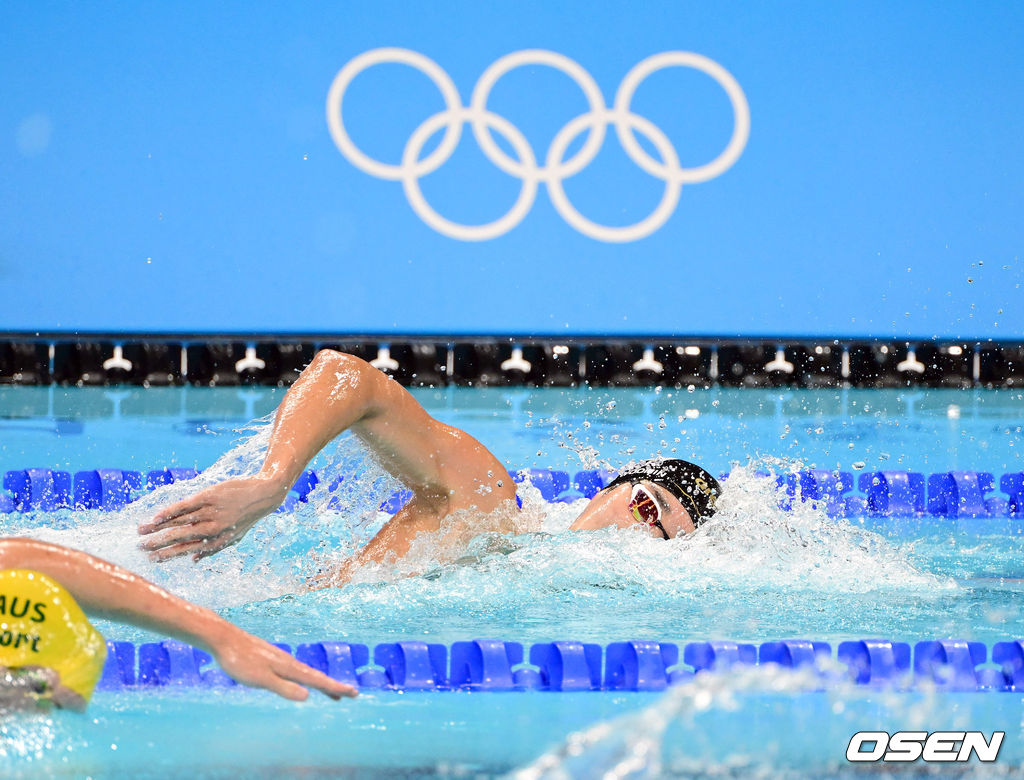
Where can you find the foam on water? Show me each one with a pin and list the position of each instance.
(750, 545)
(274, 558)
(25, 736)
(728, 725)
(750, 542)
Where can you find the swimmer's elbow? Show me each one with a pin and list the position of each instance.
(342, 371)
(326, 356)
(332, 360)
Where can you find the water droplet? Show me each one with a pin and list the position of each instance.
(859, 465)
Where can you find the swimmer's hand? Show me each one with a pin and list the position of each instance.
(253, 662)
(211, 520)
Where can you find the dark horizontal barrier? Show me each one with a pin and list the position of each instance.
(496, 665)
(152, 361)
(952, 494)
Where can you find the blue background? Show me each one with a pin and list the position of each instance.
(167, 167)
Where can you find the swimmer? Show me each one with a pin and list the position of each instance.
(446, 469)
(51, 655)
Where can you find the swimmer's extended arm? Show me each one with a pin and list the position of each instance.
(108, 591)
(447, 469)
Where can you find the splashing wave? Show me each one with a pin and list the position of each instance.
(501, 563)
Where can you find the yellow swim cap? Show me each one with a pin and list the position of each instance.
(41, 625)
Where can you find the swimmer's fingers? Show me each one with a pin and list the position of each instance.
(298, 672)
(255, 663)
(215, 545)
(174, 515)
(257, 671)
(199, 547)
(201, 530)
(173, 551)
(287, 690)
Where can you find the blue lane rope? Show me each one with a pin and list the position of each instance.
(953, 494)
(497, 665)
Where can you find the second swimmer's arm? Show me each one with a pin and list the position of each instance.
(108, 591)
(442, 465)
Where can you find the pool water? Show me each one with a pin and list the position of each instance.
(914, 429)
(755, 573)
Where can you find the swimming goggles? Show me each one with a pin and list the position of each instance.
(645, 509)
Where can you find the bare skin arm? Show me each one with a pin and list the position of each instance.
(108, 591)
(445, 468)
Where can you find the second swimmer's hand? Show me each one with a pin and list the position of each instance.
(253, 662)
(211, 520)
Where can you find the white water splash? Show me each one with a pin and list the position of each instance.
(750, 544)
(26, 737)
(275, 558)
(691, 730)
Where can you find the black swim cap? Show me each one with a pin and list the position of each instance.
(695, 488)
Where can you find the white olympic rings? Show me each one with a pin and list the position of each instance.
(555, 169)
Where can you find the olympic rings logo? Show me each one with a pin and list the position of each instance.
(526, 168)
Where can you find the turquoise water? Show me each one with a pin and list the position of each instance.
(915, 429)
(755, 573)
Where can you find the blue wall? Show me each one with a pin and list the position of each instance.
(169, 167)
